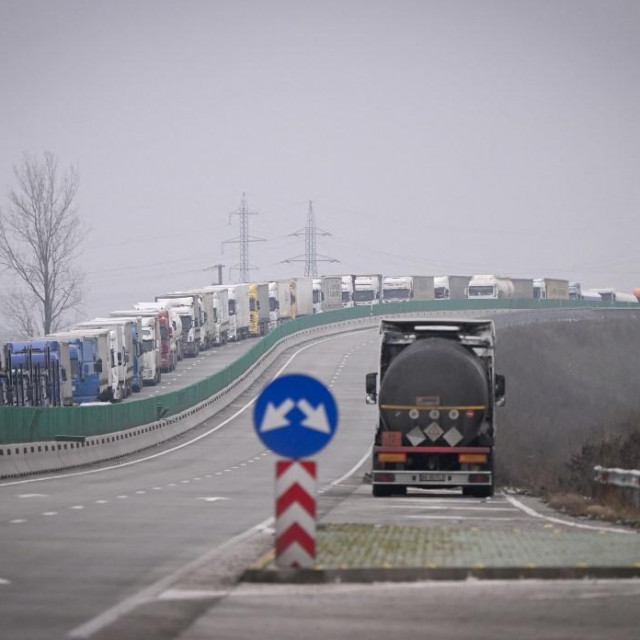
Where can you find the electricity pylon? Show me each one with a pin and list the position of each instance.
(311, 256)
(244, 266)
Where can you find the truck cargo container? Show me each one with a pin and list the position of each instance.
(238, 311)
(303, 296)
(550, 289)
(436, 391)
(522, 288)
(331, 290)
(451, 287)
(611, 295)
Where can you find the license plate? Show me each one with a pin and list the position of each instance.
(433, 477)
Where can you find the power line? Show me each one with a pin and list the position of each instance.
(311, 256)
(244, 266)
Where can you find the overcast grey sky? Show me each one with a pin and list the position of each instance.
(433, 137)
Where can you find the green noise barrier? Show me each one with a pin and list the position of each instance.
(37, 424)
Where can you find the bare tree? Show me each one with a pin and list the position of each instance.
(40, 233)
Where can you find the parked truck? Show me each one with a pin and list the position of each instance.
(93, 364)
(130, 334)
(437, 393)
(170, 332)
(550, 289)
(150, 344)
(238, 311)
(280, 302)
(488, 287)
(451, 287)
(367, 289)
(258, 309)
(406, 288)
(189, 307)
(38, 373)
(302, 289)
(121, 346)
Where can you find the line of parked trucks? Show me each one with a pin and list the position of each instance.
(108, 358)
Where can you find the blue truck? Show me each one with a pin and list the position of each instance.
(37, 373)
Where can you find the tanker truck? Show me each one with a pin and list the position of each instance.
(437, 393)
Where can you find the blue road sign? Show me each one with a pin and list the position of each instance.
(295, 416)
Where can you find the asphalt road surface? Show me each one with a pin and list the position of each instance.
(81, 550)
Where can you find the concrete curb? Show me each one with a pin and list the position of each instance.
(416, 574)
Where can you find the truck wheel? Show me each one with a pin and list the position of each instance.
(381, 491)
(400, 490)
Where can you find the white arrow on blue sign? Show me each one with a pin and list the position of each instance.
(295, 416)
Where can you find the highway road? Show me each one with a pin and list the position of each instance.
(82, 549)
(75, 545)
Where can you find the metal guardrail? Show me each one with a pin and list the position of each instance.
(619, 477)
(623, 485)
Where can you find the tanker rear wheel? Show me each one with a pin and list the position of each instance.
(478, 492)
(381, 491)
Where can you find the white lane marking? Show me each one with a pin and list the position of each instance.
(213, 499)
(354, 468)
(122, 497)
(224, 423)
(4, 581)
(17, 521)
(456, 518)
(151, 592)
(185, 481)
(50, 513)
(157, 488)
(532, 512)
(218, 473)
(33, 495)
(140, 492)
(77, 507)
(101, 501)
(180, 594)
(446, 508)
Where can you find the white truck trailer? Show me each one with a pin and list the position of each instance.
(550, 289)
(331, 293)
(489, 287)
(303, 296)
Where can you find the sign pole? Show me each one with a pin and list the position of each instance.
(295, 514)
